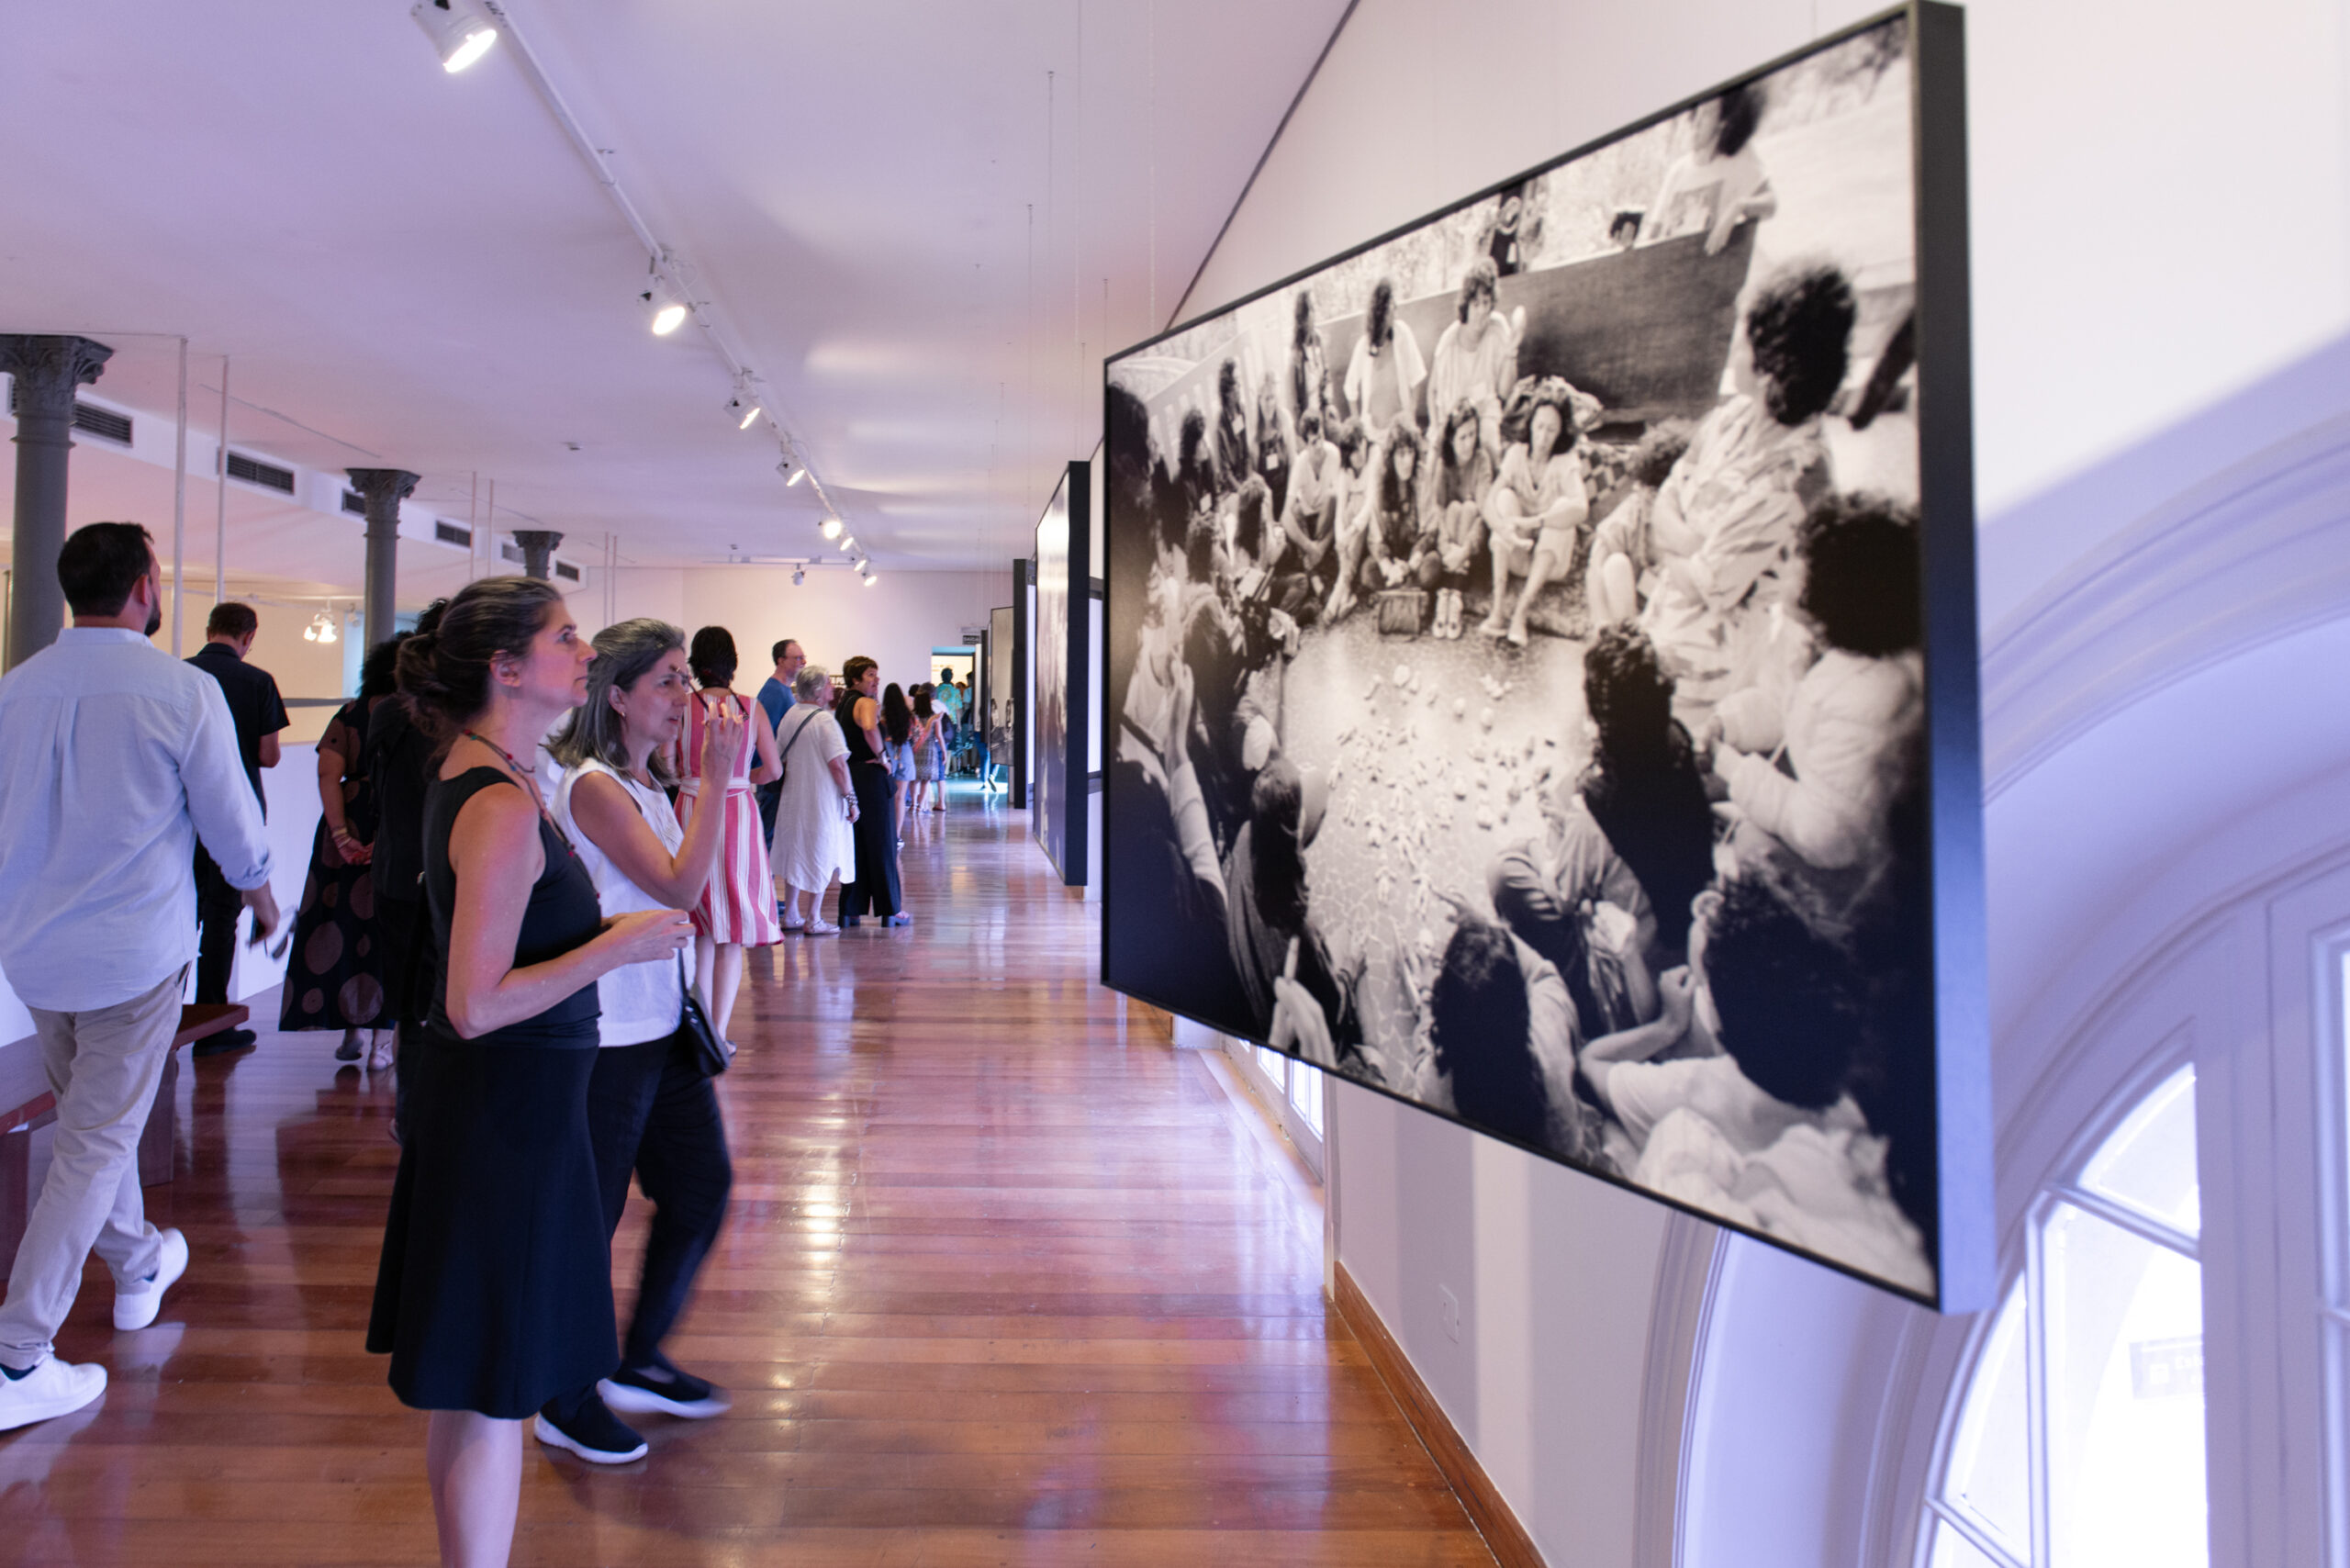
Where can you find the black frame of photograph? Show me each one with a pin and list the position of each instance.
(1064, 613)
(1963, 1251)
(1017, 700)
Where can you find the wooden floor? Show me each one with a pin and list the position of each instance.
(1008, 1279)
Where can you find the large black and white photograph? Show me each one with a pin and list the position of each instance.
(1516, 656)
(1058, 809)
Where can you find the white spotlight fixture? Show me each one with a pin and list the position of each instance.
(832, 528)
(849, 543)
(871, 577)
(744, 410)
(797, 475)
(798, 576)
(321, 629)
(460, 33)
(668, 314)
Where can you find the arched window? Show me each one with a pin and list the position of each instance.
(2079, 1437)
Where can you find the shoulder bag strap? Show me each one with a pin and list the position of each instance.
(783, 757)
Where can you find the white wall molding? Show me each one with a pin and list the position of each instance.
(2256, 554)
(1688, 1272)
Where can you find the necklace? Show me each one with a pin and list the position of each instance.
(529, 781)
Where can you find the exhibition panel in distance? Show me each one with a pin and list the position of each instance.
(1541, 667)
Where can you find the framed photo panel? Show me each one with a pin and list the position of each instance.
(1063, 642)
(1541, 663)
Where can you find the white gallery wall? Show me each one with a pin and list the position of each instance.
(832, 615)
(2161, 221)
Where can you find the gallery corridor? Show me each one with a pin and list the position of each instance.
(1009, 1278)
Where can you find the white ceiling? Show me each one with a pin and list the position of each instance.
(924, 240)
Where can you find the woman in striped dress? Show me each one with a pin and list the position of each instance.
(737, 907)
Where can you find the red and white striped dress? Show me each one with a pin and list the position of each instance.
(738, 903)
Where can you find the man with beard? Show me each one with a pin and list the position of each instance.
(115, 760)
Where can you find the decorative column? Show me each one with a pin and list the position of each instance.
(47, 369)
(538, 550)
(382, 490)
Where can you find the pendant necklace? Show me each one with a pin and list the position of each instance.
(529, 781)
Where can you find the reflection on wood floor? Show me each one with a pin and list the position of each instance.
(1008, 1279)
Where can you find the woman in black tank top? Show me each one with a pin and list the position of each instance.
(493, 1292)
(874, 889)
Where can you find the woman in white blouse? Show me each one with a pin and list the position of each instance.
(650, 1109)
(812, 842)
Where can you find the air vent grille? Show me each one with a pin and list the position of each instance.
(567, 571)
(354, 503)
(450, 533)
(510, 552)
(88, 418)
(268, 475)
(104, 423)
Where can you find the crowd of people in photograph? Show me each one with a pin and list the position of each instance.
(1710, 973)
(539, 862)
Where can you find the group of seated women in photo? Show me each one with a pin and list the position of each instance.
(1711, 974)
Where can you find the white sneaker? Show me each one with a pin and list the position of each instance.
(52, 1389)
(136, 1309)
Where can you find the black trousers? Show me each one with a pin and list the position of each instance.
(651, 1113)
(217, 905)
(875, 889)
(770, 799)
(407, 989)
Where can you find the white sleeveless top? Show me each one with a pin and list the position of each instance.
(641, 1001)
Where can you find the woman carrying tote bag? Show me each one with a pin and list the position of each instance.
(650, 1109)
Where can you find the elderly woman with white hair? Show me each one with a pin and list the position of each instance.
(817, 804)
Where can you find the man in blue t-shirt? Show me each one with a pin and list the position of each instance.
(775, 698)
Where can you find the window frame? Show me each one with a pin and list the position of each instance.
(2028, 1275)
(2253, 991)
(2301, 1208)
(1279, 1096)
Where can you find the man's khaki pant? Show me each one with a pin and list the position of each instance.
(102, 1066)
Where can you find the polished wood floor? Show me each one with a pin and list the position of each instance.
(1009, 1278)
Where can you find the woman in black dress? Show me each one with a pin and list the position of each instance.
(336, 976)
(875, 888)
(494, 1293)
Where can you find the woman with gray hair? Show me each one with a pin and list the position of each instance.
(817, 804)
(650, 1109)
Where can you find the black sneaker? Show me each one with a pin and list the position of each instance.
(663, 1389)
(592, 1432)
(223, 1043)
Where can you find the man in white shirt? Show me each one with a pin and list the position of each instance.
(115, 759)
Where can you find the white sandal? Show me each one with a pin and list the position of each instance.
(823, 928)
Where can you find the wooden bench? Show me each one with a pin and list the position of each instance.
(26, 1105)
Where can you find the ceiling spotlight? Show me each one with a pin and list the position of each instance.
(320, 629)
(668, 315)
(871, 577)
(798, 576)
(849, 543)
(797, 474)
(832, 526)
(460, 33)
(744, 412)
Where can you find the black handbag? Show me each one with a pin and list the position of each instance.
(712, 1055)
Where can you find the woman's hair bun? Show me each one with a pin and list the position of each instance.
(444, 672)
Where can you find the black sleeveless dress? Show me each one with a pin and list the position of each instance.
(874, 889)
(495, 1290)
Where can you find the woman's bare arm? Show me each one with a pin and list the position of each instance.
(495, 851)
